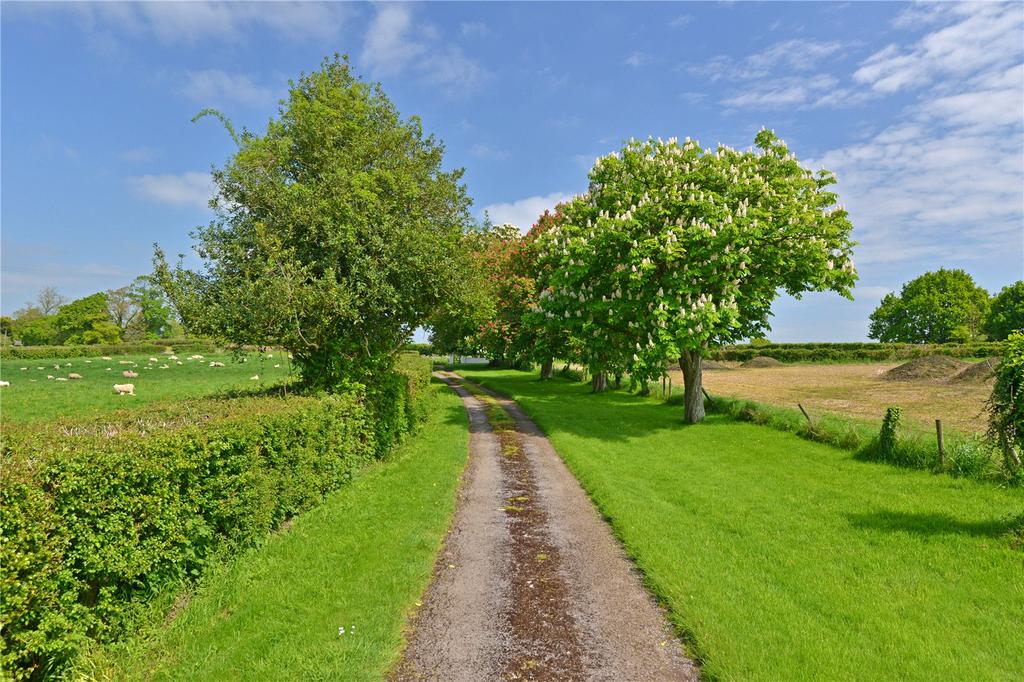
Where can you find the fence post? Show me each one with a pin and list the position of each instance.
(805, 414)
(942, 448)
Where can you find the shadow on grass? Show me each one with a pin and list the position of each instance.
(934, 523)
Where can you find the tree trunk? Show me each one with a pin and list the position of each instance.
(546, 369)
(693, 398)
(599, 382)
(618, 381)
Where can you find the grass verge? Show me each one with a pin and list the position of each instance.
(780, 558)
(359, 562)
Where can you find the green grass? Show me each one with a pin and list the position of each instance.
(32, 397)
(784, 559)
(359, 561)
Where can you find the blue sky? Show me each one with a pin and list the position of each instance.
(919, 108)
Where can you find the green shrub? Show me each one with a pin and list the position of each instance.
(856, 352)
(1006, 405)
(130, 348)
(101, 517)
(888, 437)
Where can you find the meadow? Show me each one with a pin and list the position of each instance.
(780, 558)
(33, 397)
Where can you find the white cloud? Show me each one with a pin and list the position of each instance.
(977, 36)
(474, 29)
(782, 92)
(636, 59)
(485, 151)
(394, 44)
(214, 86)
(680, 20)
(791, 55)
(187, 189)
(192, 22)
(524, 213)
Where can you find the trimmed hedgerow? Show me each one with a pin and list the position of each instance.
(857, 352)
(92, 351)
(100, 518)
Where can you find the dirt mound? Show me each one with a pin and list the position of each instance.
(761, 361)
(978, 372)
(928, 367)
(714, 364)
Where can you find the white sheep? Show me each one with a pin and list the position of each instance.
(276, 366)
(5, 383)
(153, 360)
(24, 368)
(124, 389)
(106, 357)
(73, 375)
(128, 374)
(255, 377)
(61, 379)
(216, 364)
(49, 376)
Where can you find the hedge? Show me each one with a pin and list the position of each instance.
(128, 348)
(100, 518)
(847, 352)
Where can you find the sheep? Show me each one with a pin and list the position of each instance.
(153, 360)
(61, 379)
(67, 364)
(56, 366)
(88, 362)
(164, 367)
(216, 364)
(173, 357)
(124, 389)
(276, 366)
(108, 369)
(5, 383)
(128, 374)
(39, 368)
(255, 377)
(125, 362)
(180, 362)
(73, 375)
(49, 376)
(106, 357)
(24, 368)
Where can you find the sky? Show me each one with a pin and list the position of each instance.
(918, 108)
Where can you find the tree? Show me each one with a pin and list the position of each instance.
(123, 308)
(937, 307)
(1006, 312)
(85, 321)
(50, 300)
(675, 249)
(1006, 405)
(335, 236)
(37, 331)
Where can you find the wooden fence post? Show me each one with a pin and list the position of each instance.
(942, 448)
(805, 414)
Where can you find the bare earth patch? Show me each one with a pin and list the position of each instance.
(860, 391)
(531, 584)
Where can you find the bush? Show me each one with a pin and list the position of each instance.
(889, 434)
(100, 518)
(1006, 406)
(857, 352)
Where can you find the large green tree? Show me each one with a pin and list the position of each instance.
(937, 307)
(336, 232)
(675, 249)
(1006, 312)
(85, 321)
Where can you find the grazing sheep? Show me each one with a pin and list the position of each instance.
(67, 364)
(124, 389)
(49, 376)
(88, 362)
(56, 366)
(276, 366)
(216, 364)
(173, 357)
(164, 367)
(39, 368)
(108, 369)
(153, 360)
(128, 374)
(255, 377)
(24, 368)
(106, 357)
(125, 362)
(61, 379)
(180, 362)
(270, 355)
(73, 375)
(5, 383)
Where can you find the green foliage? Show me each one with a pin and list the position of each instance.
(1006, 314)
(39, 331)
(759, 342)
(675, 249)
(100, 517)
(1006, 405)
(336, 233)
(936, 307)
(888, 436)
(85, 322)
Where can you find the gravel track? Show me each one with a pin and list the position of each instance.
(531, 584)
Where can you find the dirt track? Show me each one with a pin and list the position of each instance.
(531, 584)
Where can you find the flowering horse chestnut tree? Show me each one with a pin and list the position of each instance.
(675, 249)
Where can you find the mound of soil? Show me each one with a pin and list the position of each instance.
(714, 364)
(978, 372)
(761, 361)
(927, 368)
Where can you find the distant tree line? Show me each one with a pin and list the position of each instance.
(134, 312)
(947, 306)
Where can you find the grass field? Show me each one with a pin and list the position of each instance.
(31, 396)
(854, 390)
(359, 561)
(783, 559)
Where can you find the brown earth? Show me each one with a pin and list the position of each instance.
(934, 367)
(530, 583)
(859, 391)
(979, 372)
(761, 361)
